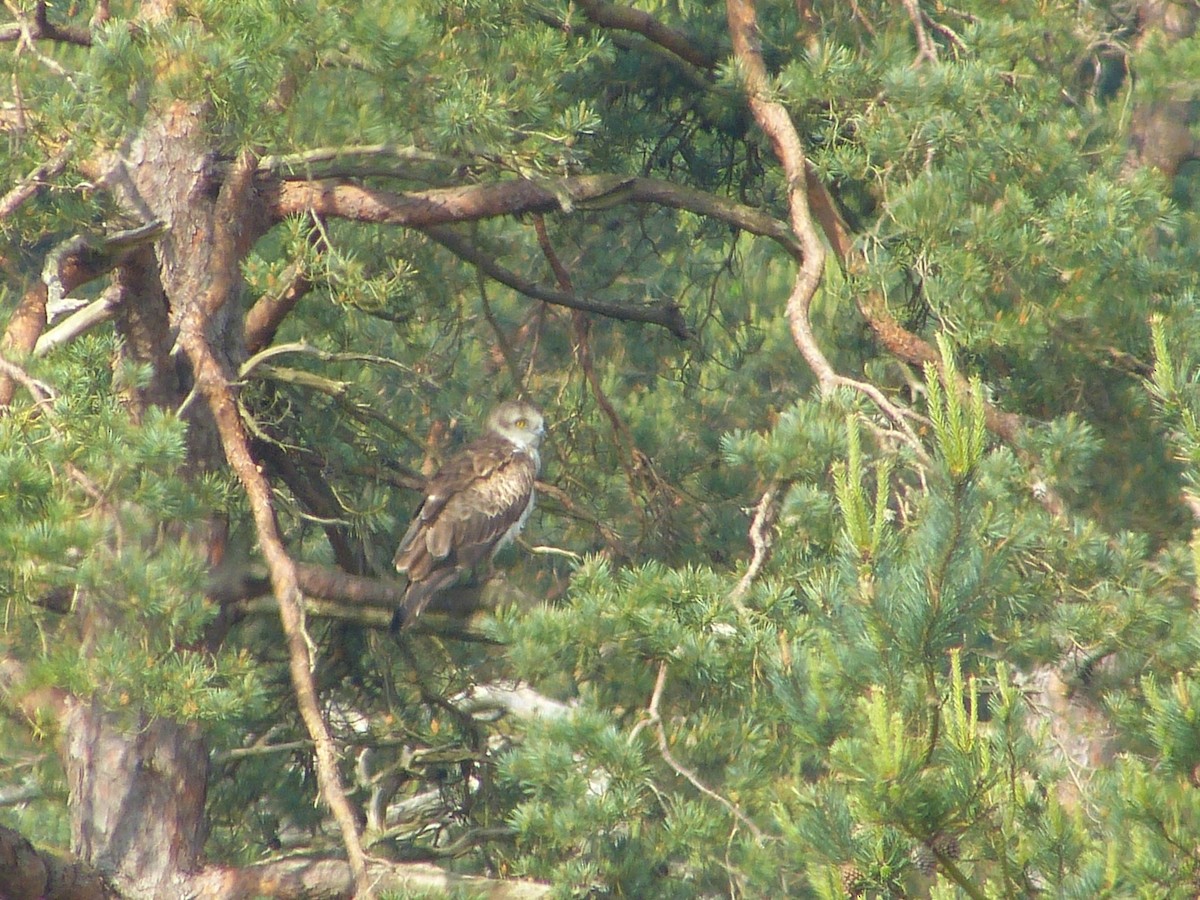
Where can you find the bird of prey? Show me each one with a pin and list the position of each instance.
(475, 504)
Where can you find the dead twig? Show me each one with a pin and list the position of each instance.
(762, 537)
(654, 719)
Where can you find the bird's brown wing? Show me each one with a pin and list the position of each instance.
(470, 506)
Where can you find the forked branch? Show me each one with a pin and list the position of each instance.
(777, 124)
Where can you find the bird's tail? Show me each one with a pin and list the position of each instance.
(417, 597)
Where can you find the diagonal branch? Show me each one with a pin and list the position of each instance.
(215, 385)
(626, 18)
(433, 211)
(626, 449)
(72, 263)
(654, 719)
(35, 181)
(668, 316)
(776, 123)
(268, 312)
(762, 538)
(41, 28)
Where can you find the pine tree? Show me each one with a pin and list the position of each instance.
(864, 560)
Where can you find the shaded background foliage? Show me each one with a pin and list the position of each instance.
(939, 684)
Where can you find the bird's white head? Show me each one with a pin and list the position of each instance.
(518, 422)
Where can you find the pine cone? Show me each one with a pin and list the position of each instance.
(924, 860)
(924, 856)
(854, 882)
(947, 845)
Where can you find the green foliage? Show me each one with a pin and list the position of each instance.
(870, 711)
(93, 515)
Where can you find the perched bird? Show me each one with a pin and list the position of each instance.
(476, 503)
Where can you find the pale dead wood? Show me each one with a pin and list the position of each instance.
(302, 876)
(762, 538)
(653, 718)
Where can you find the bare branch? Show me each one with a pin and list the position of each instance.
(584, 513)
(268, 313)
(41, 28)
(654, 718)
(333, 584)
(35, 181)
(471, 203)
(761, 538)
(903, 344)
(72, 263)
(439, 206)
(776, 123)
(668, 316)
(926, 51)
(489, 701)
(626, 448)
(95, 313)
(329, 878)
(24, 328)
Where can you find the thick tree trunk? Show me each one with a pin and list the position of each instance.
(1161, 134)
(137, 789)
(137, 798)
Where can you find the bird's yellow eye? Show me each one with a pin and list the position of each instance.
(521, 423)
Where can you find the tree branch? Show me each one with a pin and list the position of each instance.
(777, 124)
(625, 18)
(470, 203)
(654, 719)
(761, 538)
(354, 160)
(431, 211)
(20, 337)
(215, 385)
(668, 316)
(901, 343)
(41, 28)
(72, 263)
(28, 873)
(35, 182)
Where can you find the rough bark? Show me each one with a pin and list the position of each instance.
(137, 798)
(28, 873)
(1161, 135)
(141, 319)
(25, 326)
